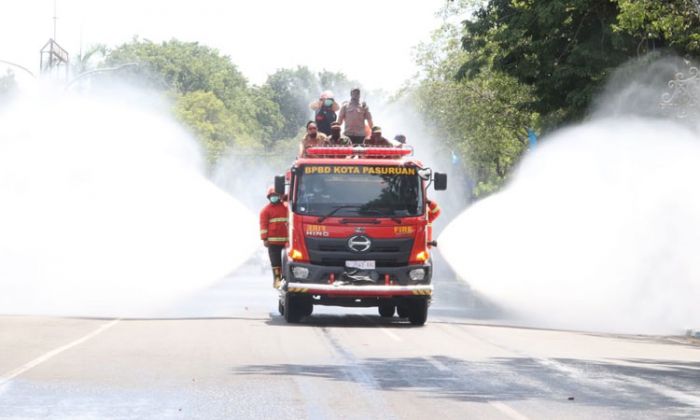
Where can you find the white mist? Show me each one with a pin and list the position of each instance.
(105, 209)
(599, 230)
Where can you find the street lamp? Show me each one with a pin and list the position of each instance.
(18, 66)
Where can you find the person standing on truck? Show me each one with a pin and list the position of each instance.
(376, 139)
(354, 114)
(325, 112)
(337, 139)
(273, 232)
(312, 138)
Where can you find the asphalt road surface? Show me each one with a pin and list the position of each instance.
(226, 353)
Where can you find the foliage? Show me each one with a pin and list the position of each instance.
(565, 49)
(673, 24)
(211, 95)
(293, 90)
(512, 65)
(8, 86)
(483, 118)
(87, 60)
(208, 117)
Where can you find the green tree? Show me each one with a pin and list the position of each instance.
(564, 49)
(483, 118)
(88, 59)
(208, 117)
(662, 24)
(292, 90)
(568, 49)
(211, 95)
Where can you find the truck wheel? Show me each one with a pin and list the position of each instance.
(402, 310)
(308, 308)
(386, 310)
(418, 312)
(293, 311)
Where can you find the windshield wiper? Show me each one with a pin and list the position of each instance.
(334, 211)
(393, 218)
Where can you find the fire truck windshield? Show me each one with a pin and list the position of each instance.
(359, 192)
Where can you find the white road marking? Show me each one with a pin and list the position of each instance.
(507, 410)
(41, 359)
(391, 335)
(438, 365)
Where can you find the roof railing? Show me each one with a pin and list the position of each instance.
(358, 151)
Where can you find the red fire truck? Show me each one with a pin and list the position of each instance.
(358, 232)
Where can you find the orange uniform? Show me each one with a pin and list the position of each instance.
(273, 224)
(433, 211)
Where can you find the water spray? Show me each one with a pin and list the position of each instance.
(598, 229)
(106, 209)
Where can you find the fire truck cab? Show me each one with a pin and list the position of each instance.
(358, 232)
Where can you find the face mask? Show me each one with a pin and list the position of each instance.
(328, 102)
(274, 199)
(312, 135)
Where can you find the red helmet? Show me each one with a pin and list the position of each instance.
(270, 191)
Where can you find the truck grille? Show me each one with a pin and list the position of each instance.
(334, 252)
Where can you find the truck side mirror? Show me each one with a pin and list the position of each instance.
(279, 184)
(440, 181)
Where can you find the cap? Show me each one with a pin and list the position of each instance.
(400, 138)
(335, 124)
(270, 191)
(376, 129)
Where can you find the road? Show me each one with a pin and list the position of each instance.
(226, 353)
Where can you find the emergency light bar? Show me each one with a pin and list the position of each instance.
(343, 151)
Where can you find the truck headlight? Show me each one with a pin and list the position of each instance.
(417, 274)
(300, 272)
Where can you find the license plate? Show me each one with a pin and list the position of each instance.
(362, 265)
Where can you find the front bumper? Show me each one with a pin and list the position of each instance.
(349, 290)
(321, 274)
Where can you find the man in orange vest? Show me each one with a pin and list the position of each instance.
(432, 214)
(273, 232)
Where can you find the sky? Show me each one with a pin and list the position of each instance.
(370, 41)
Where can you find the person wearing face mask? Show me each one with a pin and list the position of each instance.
(337, 139)
(376, 139)
(354, 114)
(273, 232)
(325, 112)
(312, 138)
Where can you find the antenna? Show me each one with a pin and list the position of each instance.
(53, 55)
(55, 18)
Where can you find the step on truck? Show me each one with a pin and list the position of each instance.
(358, 232)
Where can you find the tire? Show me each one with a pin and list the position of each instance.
(293, 310)
(308, 308)
(402, 310)
(418, 312)
(386, 310)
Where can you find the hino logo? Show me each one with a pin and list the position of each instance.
(359, 243)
